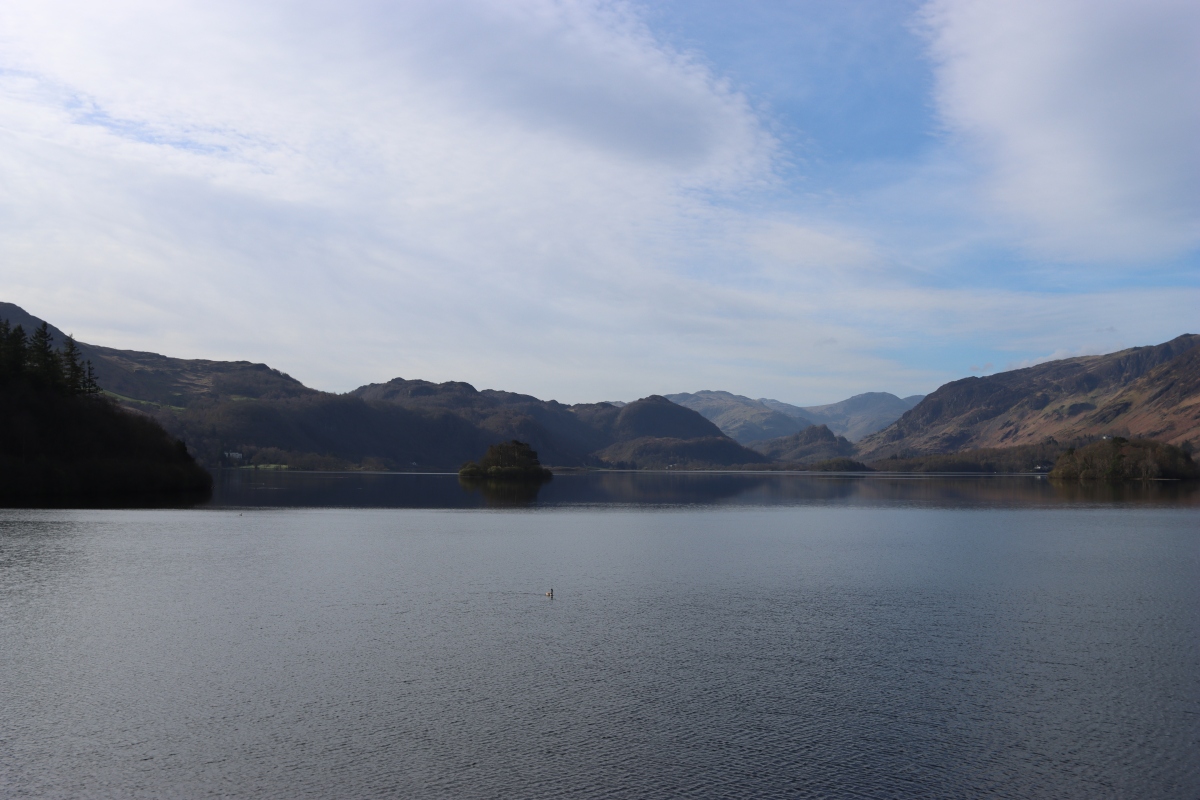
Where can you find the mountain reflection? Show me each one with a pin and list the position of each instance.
(249, 488)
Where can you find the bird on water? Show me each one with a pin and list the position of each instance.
(550, 593)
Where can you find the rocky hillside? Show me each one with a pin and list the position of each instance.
(151, 380)
(741, 418)
(1151, 392)
(861, 415)
(813, 444)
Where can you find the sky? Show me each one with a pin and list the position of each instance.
(589, 200)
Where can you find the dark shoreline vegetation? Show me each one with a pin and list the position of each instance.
(64, 443)
(1120, 460)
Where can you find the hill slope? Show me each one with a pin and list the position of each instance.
(739, 417)
(861, 415)
(1151, 392)
(151, 379)
(813, 444)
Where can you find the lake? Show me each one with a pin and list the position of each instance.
(710, 635)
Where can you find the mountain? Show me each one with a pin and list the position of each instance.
(152, 380)
(1151, 392)
(742, 418)
(854, 417)
(656, 433)
(237, 412)
(813, 444)
(571, 435)
(562, 435)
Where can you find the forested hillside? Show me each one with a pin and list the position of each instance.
(62, 441)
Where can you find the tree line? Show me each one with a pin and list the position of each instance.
(33, 360)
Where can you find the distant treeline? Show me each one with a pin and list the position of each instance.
(1113, 459)
(1119, 460)
(1023, 458)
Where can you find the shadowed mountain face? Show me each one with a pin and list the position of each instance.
(559, 434)
(742, 418)
(657, 416)
(1151, 392)
(813, 444)
(855, 417)
(655, 433)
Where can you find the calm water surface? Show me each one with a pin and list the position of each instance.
(710, 636)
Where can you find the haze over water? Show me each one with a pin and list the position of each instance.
(735, 636)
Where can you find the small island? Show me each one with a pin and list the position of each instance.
(508, 461)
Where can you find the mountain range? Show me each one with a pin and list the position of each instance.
(237, 412)
(749, 421)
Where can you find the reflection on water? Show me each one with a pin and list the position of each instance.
(249, 488)
(505, 493)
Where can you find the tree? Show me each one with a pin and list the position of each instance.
(34, 361)
(74, 375)
(12, 352)
(45, 367)
(508, 460)
(90, 387)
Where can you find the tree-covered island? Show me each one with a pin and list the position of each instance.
(510, 461)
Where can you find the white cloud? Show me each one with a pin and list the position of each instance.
(367, 189)
(1087, 114)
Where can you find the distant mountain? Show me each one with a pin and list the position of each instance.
(742, 418)
(813, 444)
(651, 432)
(657, 433)
(1151, 392)
(862, 414)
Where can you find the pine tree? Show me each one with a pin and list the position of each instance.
(71, 361)
(13, 352)
(90, 387)
(5, 331)
(44, 364)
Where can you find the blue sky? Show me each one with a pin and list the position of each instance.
(600, 200)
